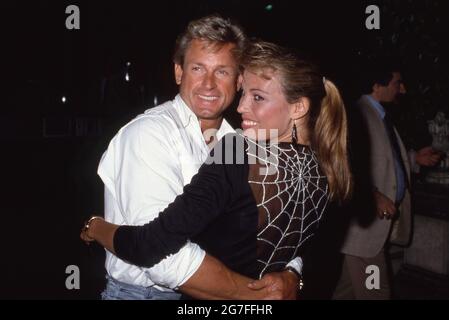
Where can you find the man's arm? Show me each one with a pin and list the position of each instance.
(213, 281)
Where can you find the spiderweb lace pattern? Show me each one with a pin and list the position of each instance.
(291, 196)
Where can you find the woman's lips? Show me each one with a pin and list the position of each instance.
(246, 124)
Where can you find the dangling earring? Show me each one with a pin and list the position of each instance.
(294, 133)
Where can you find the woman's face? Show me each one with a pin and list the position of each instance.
(266, 114)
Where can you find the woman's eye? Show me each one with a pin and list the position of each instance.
(258, 98)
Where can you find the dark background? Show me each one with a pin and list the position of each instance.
(50, 149)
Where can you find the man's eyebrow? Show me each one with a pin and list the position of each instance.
(217, 67)
(197, 63)
(225, 66)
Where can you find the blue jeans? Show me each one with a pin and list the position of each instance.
(116, 290)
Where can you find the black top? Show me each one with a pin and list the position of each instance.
(251, 206)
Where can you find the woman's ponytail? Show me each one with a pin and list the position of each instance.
(329, 140)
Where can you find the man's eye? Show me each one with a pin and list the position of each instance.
(196, 68)
(223, 72)
(258, 98)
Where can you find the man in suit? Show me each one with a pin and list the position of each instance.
(388, 220)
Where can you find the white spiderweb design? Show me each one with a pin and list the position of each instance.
(290, 200)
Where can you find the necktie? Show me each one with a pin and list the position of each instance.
(395, 145)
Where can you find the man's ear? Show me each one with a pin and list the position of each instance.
(178, 73)
(300, 108)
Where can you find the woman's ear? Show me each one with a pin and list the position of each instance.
(239, 82)
(300, 108)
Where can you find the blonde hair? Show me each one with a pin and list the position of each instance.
(215, 30)
(329, 140)
(327, 123)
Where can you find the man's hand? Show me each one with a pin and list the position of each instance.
(279, 285)
(385, 206)
(428, 157)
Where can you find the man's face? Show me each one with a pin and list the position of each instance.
(208, 79)
(391, 92)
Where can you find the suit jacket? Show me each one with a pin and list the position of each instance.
(367, 234)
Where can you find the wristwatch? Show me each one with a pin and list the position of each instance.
(300, 279)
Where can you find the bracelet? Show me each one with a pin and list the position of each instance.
(300, 280)
(87, 224)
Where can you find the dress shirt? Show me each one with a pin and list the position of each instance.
(145, 167)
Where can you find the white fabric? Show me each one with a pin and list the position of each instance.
(296, 264)
(145, 167)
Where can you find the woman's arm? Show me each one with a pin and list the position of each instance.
(212, 280)
(207, 196)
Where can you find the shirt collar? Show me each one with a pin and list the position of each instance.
(376, 105)
(185, 113)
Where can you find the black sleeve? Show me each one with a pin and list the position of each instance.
(207, 196)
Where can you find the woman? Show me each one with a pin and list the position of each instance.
(261, 194)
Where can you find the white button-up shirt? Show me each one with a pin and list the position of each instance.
(145, 167)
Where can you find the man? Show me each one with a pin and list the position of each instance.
(153, 157)
(389, 219)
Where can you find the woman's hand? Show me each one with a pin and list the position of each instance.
(87, 234)
(85, 237)
(98, 229)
